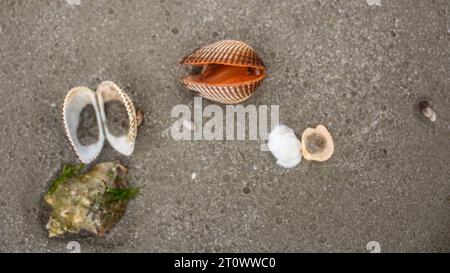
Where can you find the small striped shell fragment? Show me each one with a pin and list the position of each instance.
(79, 98)
(231, 71)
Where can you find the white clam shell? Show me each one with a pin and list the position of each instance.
(76, 100)
(80, 97)
(106, 92)
(285, 146)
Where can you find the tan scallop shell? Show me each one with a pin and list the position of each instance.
(317, 144)
(77, 99)
(232, 71)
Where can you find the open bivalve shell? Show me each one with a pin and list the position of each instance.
(317, 144)
(80, 97)
(231, 71)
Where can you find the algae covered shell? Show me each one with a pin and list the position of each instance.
(80, 97)
(231, 71)
(92, 202)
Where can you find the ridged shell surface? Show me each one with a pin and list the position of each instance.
(228, 52)
(231, 94)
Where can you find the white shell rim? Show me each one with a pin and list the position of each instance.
(71, 112)
(109, 91)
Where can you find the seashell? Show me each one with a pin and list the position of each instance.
(140, 117)
(425, 108)
(231, 71)
(317, 144)
(77, 99)
(94, 201)
(106, 92)
(285, 146)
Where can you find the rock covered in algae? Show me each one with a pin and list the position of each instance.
(94, 201)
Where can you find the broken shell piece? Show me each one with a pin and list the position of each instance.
(106, 92)
(285, 146)
(231, 71)
(426, 109)
(76, 100)
(317, 144)
(140, 117)
(430, 114)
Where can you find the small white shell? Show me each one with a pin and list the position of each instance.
(106, 92)
(430, 114)
(285, 146)
(77, 99)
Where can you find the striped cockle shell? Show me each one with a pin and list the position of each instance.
(228, 54)
(80, 97)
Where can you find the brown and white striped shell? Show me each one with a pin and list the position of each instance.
(80, 97)
(231, 71)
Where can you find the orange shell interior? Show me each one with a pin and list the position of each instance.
(221, 74)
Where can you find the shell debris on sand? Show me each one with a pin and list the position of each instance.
(425, 108)
(140, 117)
